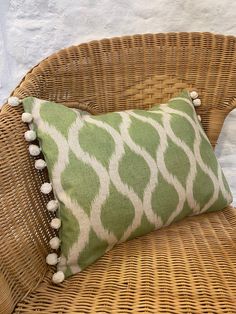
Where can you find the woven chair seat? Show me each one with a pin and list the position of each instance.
(188, 267)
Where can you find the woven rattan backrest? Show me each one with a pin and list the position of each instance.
(107, 75)
(139, 71)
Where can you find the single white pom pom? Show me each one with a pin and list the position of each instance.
(40, 164)
(58, 277)
(52, 259)
(55, 243)
(55, 223)
(13, 101)
(197, 102)
(34, 150)
(194, 95)
(46, 188)
(26, 117)
(52, 206)
(199, 118)
(30, 136)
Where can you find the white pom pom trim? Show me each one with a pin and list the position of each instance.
(26, 117)
(46, 188)
(199, 118)
(52, 259)
(58, 277)
(197, 102)
(55, 243)
(30, 136)
(13, 101)
(194, 95)
(40, 164)
(34, 150)
(52, 206)
(55, 223)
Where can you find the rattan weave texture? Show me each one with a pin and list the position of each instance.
(189, 267)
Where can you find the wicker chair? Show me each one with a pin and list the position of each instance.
(188, 267)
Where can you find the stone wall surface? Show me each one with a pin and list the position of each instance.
(30, 30)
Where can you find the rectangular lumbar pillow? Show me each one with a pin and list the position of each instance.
(120, 175)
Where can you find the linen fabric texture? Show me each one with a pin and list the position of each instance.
(123, 174)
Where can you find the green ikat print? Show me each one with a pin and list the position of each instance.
(121, 175)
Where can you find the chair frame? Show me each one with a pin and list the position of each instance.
(101, 76)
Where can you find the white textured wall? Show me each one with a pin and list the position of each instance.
(30, 30)
(33, 29)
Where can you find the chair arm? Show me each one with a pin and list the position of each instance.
(24, 220)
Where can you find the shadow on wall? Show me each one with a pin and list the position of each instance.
(226, 151)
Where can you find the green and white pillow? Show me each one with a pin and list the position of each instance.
(120, 175)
